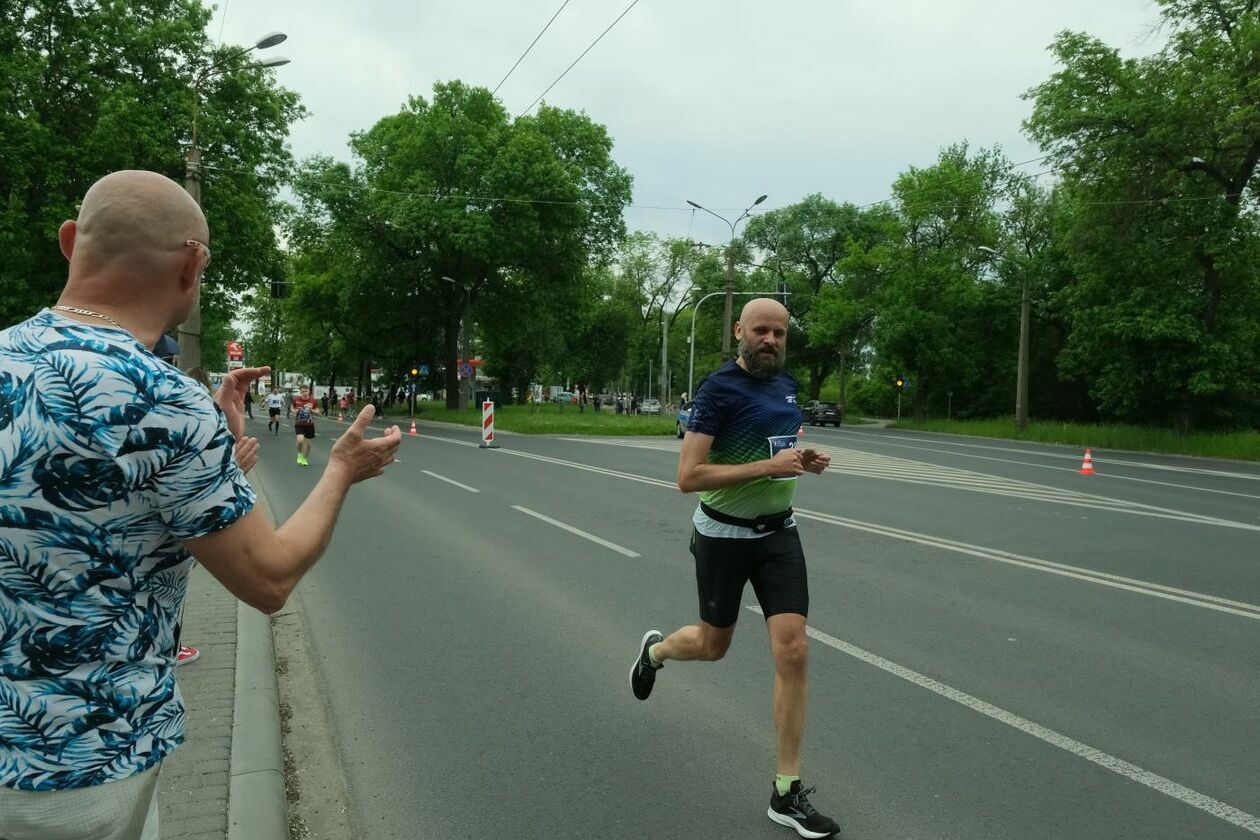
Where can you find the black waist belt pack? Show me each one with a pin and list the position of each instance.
(762, 524)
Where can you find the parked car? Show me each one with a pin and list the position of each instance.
(823, 413)
(564, 397)
(650, 406)
(683, 417)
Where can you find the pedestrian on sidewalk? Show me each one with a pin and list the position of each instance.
(249, 404)
(740, 452)
(135, 477)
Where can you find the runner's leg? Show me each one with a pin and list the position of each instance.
(790, 647)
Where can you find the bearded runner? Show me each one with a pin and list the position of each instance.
(740, 452)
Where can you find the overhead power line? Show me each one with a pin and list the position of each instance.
(579, 58)
(527, 49)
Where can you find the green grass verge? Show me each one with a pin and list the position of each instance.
(549, 419)
(1242, 446)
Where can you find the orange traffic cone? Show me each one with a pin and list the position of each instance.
(1087, 466)
(413, 428)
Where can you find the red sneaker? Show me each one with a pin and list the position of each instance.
(186, 654)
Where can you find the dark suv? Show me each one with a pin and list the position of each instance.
(820, 414)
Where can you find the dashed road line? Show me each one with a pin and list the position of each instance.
(1154, 781)
(578, 531)
(451, 481)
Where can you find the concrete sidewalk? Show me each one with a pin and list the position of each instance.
(227, 780)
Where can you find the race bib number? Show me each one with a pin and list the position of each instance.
(304, 415)
(777, 444)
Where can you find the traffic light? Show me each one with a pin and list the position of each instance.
(900, 383)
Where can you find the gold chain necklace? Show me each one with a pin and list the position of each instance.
(77, 311)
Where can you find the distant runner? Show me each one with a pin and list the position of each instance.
(274, 403)
(305, 407)
(741, 452)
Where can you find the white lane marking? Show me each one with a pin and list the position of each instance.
(451, 481)
(1134, 585)
(1154, 590)
(599, 540)
(929, 468)
(1154, 781)
(872, 465)
(1109, 457)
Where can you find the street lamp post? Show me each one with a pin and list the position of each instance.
(730, 268)
(691, 363)
(190, 330)
(1021, 375)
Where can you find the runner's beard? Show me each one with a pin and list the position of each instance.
(761, 364)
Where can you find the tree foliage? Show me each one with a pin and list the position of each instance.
(87, 88)
(452, 206)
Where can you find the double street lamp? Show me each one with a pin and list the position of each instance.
(1021, 376)
(190, 330)
(730, 271)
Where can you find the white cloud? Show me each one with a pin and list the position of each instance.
(718, 101)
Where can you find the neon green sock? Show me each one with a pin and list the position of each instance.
(656, 663)
(783, 783)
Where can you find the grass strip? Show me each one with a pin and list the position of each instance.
(1241, 446)
(549, 419)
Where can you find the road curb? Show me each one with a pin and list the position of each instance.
(257, 806)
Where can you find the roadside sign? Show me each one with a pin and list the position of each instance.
(424, 370)
(465, 371)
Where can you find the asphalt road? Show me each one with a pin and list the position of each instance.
(1003, 648)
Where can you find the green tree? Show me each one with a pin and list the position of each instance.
(1159, 158)
(451, 188)
(90, 88)
(932, 306)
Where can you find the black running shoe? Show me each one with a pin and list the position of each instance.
(793, 810)
(643, 672)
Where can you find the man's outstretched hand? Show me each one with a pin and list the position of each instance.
(231, 396)
(360, 458)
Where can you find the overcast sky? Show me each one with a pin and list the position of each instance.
(713, 100)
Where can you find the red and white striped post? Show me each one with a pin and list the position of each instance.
(487, 426)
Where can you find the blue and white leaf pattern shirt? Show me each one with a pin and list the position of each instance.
(109, 459)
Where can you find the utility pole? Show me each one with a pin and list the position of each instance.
(1021, 372)
(1021, 384)
(730, 269)
(664, 354)
(190, 330)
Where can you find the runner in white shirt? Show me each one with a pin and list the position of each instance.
(274, 403)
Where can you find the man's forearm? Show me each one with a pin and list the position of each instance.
(305, 536)
(716, 476)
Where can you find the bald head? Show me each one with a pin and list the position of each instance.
(137, 252)
(137, 215)
(761, 308)
(762, 333)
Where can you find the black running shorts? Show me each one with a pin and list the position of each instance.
(775, 564)
(274, 412)
(305, 431)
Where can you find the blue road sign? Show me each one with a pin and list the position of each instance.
(465, 371)
(424, 370)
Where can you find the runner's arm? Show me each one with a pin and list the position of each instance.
(695, 473)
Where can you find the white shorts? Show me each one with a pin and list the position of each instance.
(122, 810)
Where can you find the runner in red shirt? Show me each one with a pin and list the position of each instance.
(305, 407)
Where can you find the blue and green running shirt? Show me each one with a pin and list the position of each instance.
(747, 417)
